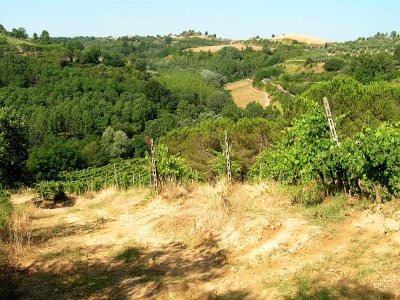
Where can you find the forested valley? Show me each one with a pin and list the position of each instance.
(78, 115)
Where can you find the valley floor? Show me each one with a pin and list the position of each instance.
(208, 242)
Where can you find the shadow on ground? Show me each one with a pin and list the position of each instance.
(132, 273)
(61, 230)
(68, 201)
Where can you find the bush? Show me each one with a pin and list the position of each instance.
(213, 78)
(270, 72)
(333, 65)
(50, 190)
(309, 194)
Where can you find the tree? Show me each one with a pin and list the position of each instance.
(213, 78)
(168, 40)
(91, 55)
(35, 36)
(94, 154)
(19, 33)
(115, 143)
(369, 67)
(217, 101)
(156, 92)
(254, 110)
(140, 65)
(160, 126)
(230, 53)
(45, 37)
(139, 145)
(113, 59)
(120, 146)
(396, 53)
(13, 148)
(52, 157)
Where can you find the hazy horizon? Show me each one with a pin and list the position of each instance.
(335, 21)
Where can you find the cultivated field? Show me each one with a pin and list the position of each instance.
(216, 48)
(301, 38)
(210, 242)
(243, 93)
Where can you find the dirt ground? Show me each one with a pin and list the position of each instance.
(208, 242)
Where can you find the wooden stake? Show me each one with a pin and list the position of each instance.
(154, 167)
(228, 157)
(331, 124)
(115, 177)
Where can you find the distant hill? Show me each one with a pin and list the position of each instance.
(301, 38)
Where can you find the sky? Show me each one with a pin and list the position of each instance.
(334, 20)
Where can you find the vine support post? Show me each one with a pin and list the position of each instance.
(331, 124)
(228, 158)
(116, 178)
(377, 189)
(154, 175)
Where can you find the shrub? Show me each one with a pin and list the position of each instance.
(333, 65)
(213, 78)
(6, 209)
(269, 72)
(50, 190)
(309, 194)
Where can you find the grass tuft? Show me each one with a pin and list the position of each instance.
(130, 254)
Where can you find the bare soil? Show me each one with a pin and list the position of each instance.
(208, 242)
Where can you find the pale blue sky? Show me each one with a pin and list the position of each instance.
(336, 20)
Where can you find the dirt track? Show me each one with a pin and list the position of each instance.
(208, 242)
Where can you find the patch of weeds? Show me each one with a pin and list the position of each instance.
(147, 199)
(89, 281)
(343, 290)
(331, 210)
(304, 284)
(68, 253)
(95, 205)
(362, 273)
(230, 296)
(302, 289)
(285, 287)
(128, 255)
(180, 278)
(147, 273)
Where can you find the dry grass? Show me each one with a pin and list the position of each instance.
(297, 67)
(214, 49)
(244, 93)
(301, 38)
(18, 228)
